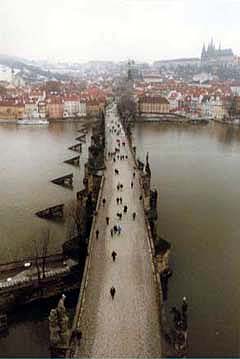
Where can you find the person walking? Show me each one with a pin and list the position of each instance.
(117, 200)
(111, 231)
(125, 209)
(120, 199)
(75, 339)
(134, 215)
(119, 229)
(107, 220)
(114, 255)
(131, 184)
(97, 234)
(112, 292)
(104, 202)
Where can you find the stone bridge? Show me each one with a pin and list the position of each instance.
(128, 325)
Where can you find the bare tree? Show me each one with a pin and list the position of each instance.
(127, 106)
(40, 253)
(75, 214)
(45, 246)
(37, 259)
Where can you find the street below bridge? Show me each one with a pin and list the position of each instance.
(128, 325)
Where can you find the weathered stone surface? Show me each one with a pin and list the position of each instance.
(59, 325)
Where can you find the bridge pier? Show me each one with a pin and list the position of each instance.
(75, 161)
(81, 138)
(51, 212)
(76, 148)
(65, 181)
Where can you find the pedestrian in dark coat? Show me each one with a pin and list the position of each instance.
(112, 292)
(114, 255)
(125, 209)
(120, 199)
(97, 234)
(119, 214)
(134, 215)
(132, 184)
(107, 220)
(117, 200)
(104, 202)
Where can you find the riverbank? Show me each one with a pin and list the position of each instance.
(171, 119)
(26, 286)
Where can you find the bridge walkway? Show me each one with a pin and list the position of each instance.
(127, 326)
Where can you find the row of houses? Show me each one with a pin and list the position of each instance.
(215, 107)
(52, 107)
(212, 100)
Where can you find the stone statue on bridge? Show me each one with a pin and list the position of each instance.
(147, 166)
(59, 327)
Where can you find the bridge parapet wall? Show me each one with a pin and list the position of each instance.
(84, 282)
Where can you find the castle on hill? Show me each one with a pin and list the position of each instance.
(218, 55)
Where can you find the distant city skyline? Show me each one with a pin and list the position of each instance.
(115, 30)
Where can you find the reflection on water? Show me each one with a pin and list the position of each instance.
(197, 170)
(30, 158)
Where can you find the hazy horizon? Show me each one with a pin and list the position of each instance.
(115, 30)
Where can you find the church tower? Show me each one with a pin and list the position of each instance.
(12, 76)
(204, 53)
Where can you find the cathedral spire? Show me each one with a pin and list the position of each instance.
(203, 55)
(212, 44)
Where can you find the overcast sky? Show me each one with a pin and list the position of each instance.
(145, 30)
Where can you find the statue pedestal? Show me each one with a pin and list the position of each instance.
(58, 352)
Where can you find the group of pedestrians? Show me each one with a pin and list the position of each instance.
(119, 200)
(119, 186)
(116, 229)
(115, 155)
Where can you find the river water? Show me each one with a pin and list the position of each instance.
(31, 156)
(196, 170)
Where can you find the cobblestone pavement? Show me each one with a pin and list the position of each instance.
(128, 325)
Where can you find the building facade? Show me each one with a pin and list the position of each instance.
(153, 105)
(11, 110)
(55, 107)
